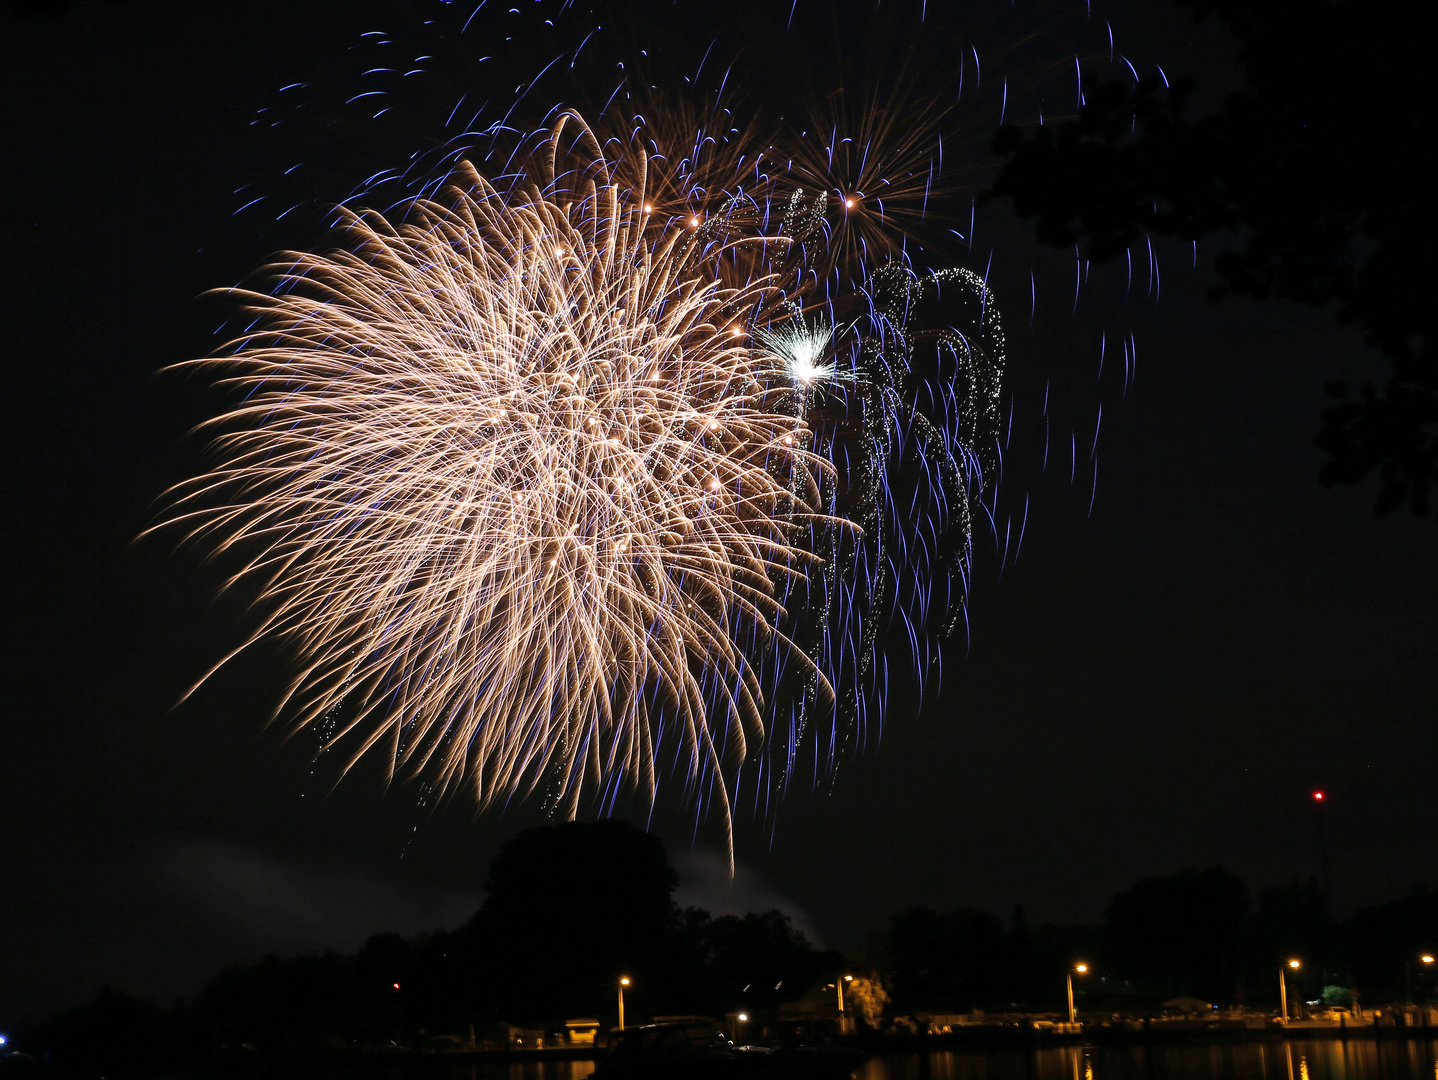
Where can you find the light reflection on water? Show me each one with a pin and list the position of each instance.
(510, 1070)
(532, 1070)
(559, 1070)
(1358, 1059)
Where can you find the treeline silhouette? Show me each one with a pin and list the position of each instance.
(571, 908)
(1192, 933)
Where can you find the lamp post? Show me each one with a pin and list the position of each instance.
(1427, 961)
(623, 982)
(1069, 982)
(1283, 989)
(839, 987)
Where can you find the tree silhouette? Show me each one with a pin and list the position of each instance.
(1382, 945)
(1181, 933)
(758, 960)
(570, 909)
(1320, 165)
(953, 961)
(1291, 921)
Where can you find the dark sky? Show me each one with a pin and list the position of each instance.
(1153, 685)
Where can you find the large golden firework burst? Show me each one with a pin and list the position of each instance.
(514, 489)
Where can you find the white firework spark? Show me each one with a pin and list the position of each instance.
(804, 350)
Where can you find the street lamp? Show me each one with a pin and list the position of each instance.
(1069, 981)
(839, 987)
(1283, 989)
(623, 982)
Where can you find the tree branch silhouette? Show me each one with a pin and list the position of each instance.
(1318, 171)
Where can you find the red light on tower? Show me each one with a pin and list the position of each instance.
(1318, 796)
(395, 985)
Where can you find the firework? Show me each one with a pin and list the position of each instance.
(514, 492)
(581, 475)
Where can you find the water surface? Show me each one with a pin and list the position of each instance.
(1356, 1059)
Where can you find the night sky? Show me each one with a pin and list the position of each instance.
(1156, 683)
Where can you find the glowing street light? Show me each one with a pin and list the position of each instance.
(623, 982)
(1080, 969)
(1283, 989)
